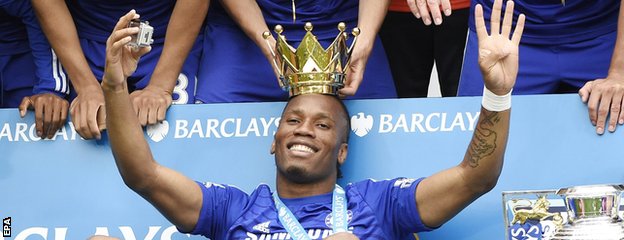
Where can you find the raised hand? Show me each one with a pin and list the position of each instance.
(121, 59)
(498, 53)
(50, 112)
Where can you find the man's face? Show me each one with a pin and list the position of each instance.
(310, 139)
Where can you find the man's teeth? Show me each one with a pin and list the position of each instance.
(301, 148)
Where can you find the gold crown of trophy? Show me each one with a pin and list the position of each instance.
(593, 212)
(310, 68)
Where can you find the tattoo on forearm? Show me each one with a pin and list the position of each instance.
(483, 143)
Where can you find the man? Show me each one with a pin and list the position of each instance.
(30, 75)
(311, 141)
(234, 66)
(78, 31)
(568, 46)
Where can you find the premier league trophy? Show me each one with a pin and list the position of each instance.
(310, 68)
(593, 213)
(575, 213)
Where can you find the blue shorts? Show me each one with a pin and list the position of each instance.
(17, 78)
(233, 69)
(562, 68)
(184, 91)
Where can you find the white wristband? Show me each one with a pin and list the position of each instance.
(496, 103)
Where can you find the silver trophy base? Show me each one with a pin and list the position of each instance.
(596, 228)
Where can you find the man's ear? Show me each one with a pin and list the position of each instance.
(273, 147)
(342, 153)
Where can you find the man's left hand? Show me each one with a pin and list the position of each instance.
(50, 112)
(151, 104)
(604, 98)
(355, 73)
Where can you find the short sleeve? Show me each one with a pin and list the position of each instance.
(221, 206)
(394, 203)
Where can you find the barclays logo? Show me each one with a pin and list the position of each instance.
(361, 125)
(158, 132)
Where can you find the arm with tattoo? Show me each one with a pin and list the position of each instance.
(444, 194)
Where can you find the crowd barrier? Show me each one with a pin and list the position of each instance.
(69, 188)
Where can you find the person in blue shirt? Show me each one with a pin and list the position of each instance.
(166, 76)
(30, 75)
(234, 65)
(309, 146)
(568, 46)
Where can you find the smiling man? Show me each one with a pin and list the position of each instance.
(309, 146)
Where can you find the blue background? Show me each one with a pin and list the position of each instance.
(69, 189)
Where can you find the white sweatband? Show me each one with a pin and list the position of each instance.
(496, 103)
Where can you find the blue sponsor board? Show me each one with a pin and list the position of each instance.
(69, 188)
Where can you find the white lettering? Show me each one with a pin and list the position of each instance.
(102, 231)
(196, 129)
(458, 122)
(181, 129)
(128, 233)
(6, 132)
(266, 125)
(417, 119)
(428, 122)
(212, 127)
(472, 120)
(223, 124)
(385, 123)
(32, 135)
(60, 233)
(253, 127)
(401, 123)
(20, 131)
(61, 132)
(33, 231)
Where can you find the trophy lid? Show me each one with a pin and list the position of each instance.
(591, 190)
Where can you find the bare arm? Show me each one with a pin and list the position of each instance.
(249, 17)
(479, 171)
(175, 196)
(370, 17)
(604, 96)
(152, 102)
(59, 28)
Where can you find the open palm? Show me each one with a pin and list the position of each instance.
(498, 53)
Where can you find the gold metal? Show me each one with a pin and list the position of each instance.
(310, 68)
(538, 211)
(294, 11)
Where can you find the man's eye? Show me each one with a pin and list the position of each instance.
(292, 120)
(323, 125)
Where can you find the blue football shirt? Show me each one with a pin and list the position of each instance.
(376, 210)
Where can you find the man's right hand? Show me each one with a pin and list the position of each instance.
(121, 59)
(88, 113)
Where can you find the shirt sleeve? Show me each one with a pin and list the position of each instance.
(394, 203)
(50, 74)
(221, 206)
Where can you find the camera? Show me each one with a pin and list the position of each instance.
(144, 37)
